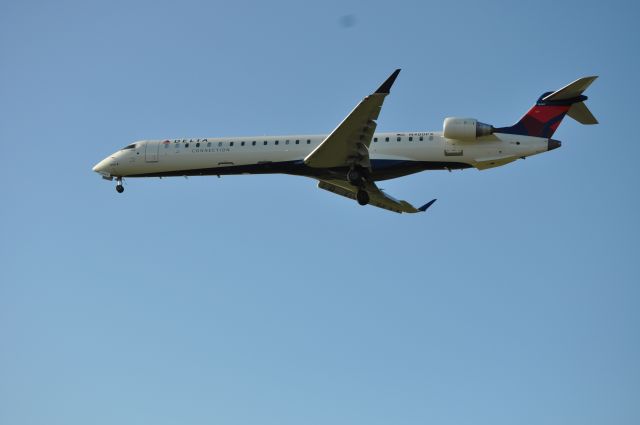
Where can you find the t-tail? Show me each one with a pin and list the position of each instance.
(545, 116)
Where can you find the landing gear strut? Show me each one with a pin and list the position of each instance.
(119, 186)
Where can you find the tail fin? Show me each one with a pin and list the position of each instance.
(545, 116)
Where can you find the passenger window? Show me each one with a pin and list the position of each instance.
(421, 138)
(242, 144)
(411, 139)
(399, 138)
(277, 142)
(286, 143)
(265, 143)
(375, 139)
(253, 143)
(197, 145)
(186, 145)
(297, 142)
(231, 144)
(308, 141)
(386, 139)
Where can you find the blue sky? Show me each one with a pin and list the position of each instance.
(261, 299)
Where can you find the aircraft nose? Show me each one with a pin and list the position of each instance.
(553, 144)
(100, 167)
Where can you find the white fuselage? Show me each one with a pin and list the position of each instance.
(392, 155)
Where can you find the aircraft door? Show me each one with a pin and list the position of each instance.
(152, 149)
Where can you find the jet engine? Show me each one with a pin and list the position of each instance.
(468, 129)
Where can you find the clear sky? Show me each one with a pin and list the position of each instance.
(263, 300)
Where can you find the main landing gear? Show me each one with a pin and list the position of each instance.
(356, 177)
(362, 197)
(119, 186)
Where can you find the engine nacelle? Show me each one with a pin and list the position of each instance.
(465, 128)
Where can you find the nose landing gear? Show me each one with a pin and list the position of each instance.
(119, 186)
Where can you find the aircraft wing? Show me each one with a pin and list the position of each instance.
(348, 144)
(377, 197)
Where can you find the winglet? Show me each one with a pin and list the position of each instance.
(427, 205)
(385, 88)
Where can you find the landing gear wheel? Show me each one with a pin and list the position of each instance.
(119, 186)
(354, 177)
(362, 197)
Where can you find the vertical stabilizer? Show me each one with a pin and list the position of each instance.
(545, 116)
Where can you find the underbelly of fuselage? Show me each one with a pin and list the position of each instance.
(382, 169)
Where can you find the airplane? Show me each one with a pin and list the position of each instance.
(353, 157)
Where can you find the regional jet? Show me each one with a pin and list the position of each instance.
(353, 157)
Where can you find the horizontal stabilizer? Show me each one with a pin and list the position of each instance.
(582, 114)
(571, 91)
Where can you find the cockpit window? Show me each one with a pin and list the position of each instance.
(131, 146)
